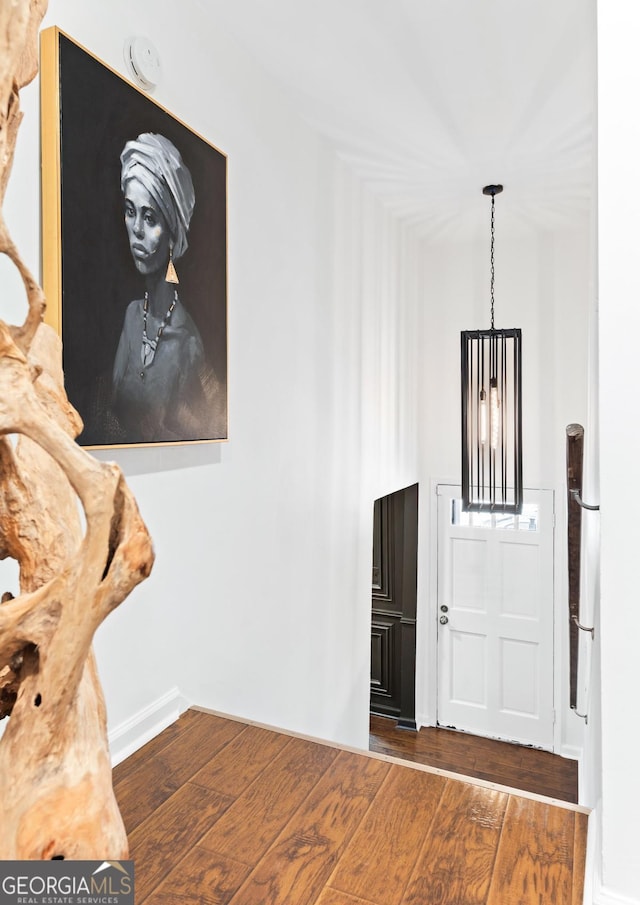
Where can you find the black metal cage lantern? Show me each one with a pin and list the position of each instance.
(491, 421)
(491, 376)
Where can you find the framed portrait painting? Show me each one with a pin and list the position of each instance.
(134, 256)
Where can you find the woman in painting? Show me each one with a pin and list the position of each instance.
(163, 388)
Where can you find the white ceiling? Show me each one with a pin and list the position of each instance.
(429, 100)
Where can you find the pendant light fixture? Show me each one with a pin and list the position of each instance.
(491, 373)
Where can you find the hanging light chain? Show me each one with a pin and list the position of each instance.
(493, 266)
(492, 190)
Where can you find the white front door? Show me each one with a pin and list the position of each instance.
(495, 619)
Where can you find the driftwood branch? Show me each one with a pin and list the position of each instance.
(56, 794)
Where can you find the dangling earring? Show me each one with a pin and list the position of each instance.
(172, 276)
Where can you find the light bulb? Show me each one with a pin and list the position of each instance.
(494, 413)
(483, 417)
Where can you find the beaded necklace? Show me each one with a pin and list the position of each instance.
(150, 346)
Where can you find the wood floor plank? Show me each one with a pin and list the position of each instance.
(521, 780)
(540, 770)
(241, 761)
(154, 780)
(171, 831)
(256, 818)
(200, 879)
(456, 862)
(335, 897)
(535, 756)
(518, 766)
(381, 856)
(534, 862)
(579, 857)
(181, 726)
(491, 762)
(296, 868)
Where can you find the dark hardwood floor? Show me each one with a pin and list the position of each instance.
(516, 766)
(220, 812)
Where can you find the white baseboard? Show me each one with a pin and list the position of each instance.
(423, 720)
(145, 725)
(592, 857)
(595, 893)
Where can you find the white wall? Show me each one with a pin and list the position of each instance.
(589, 690)
(619, 292)
(543, 285)
(259, 602)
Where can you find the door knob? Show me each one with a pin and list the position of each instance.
(444, 608)
(444, 620)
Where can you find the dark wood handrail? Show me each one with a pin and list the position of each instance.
(575, 452)
(575, 505)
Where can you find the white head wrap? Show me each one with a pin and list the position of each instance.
(157, 164)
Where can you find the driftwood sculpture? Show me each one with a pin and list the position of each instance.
(56, 794)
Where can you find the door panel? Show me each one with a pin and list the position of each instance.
(468, 668)
(468, 573)
(384, 658)
(519, 678)
(495, 630)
